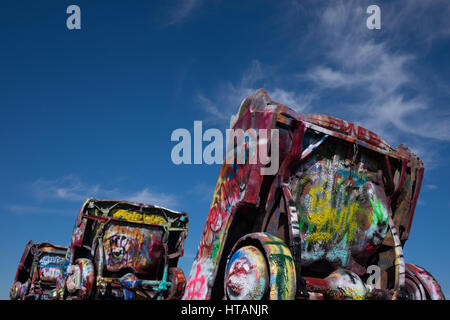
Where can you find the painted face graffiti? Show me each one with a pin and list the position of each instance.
(135, 248)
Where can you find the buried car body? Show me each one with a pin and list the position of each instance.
(341, 204)
(38, 271)
(124, 250)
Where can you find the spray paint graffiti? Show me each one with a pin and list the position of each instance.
(232, 188)
(197, 285)
(136, 248)
(139, 217)
(268, 258)
(233, 180)
(341, 193)
(339, 285)
(341, 200)
(38, 272)
(50, 267)
(246, 275)
(129, 253)
(340, 212)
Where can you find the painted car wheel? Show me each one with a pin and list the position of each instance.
(18, 291)
(421, 285)
(281, 283)
(246, 275)
(414, 289)
(81, 279)
(178, 284)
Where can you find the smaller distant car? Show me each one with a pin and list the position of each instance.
(124, 250)
(38, 271)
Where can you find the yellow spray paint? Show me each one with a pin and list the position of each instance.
(133, 216)
(327, 222)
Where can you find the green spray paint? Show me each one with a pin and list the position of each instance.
(281, 277)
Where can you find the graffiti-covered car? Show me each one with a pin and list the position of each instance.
(38, 271)
(327, 218)
(125, 250)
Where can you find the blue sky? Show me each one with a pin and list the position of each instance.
(90, 112)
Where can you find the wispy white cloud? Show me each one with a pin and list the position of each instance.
(151, 197)
(69, 188)
(369, 77)
(72, 188)
(297, 101)
(391, 97)
(229, 95)
(202, 191)
(181, 12)
(426, 21)
(210, 107)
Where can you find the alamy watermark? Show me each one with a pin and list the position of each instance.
(374, 20)
(73, 21)
(252, 146)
